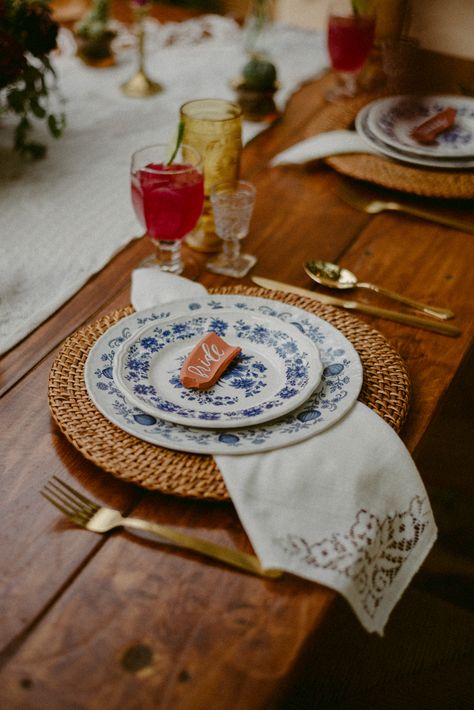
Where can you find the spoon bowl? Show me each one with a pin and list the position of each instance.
(330, 275)
(334, 276)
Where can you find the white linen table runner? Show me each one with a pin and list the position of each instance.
(63, 218)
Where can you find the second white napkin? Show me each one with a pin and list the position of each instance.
(323, 145)
(346, 508)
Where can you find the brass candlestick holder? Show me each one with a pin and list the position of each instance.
(140, 85)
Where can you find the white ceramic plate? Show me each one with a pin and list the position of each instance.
(337, 392)
(277, 369)
(364, 131)
(393, 119)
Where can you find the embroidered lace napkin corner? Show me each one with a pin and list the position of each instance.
(346, 508)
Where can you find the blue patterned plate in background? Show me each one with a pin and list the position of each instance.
(393, 119)
(277, 369)
(362, 128)
(339, 388)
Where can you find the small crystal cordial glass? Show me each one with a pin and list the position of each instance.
(232, 204)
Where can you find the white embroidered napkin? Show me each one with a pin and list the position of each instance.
(322, 146)
(346, 508)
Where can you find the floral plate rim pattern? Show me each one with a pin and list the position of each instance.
(391, 119)
(340, 385)
(363, 129)
(277, 369)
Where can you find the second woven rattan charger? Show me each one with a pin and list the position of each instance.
(385, 390)
(428, 182)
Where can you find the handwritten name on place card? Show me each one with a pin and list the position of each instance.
(207, 361)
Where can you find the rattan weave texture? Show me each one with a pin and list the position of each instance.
(385, 390)
(427, 182)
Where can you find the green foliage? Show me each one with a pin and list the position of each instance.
(259, 74)
(27, 35)
(95, 23)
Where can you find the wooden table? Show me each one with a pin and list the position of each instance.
(91, 621)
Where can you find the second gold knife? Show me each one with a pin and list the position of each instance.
(406, 318)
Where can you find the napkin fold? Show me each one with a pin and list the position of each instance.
(151, 286)
(323, 145)
(346, 508)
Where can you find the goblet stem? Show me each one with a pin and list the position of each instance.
(349, 83)
(167, 256)
(231, 251)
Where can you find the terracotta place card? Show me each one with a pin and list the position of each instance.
(428, 130)
(207, 361)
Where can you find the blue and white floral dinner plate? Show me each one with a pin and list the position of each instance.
(392, 120)
(337, 392)
(278, 369)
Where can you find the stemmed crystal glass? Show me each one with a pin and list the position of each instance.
(232, 204)
(167, 196)
(350, 37)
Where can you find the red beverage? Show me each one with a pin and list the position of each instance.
(350, 40)
(168, 199)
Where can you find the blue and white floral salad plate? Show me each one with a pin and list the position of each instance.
(393, 119)
(363, 129)
(278, 369)
(337, 392)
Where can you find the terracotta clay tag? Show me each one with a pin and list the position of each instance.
(207, 361)
(428, 130)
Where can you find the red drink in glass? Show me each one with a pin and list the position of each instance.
(168, 199)
(350, 40)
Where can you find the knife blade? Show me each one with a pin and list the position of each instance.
(405, 318)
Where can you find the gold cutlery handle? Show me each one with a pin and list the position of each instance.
(433, 216)
(235, 558)
(443, 313)
(405, 318)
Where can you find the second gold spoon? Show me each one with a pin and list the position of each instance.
(333, 276)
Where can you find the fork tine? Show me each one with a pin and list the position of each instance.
(65, 497)
(56, 504)
(72, 508)
(76, 514)
(77, 496)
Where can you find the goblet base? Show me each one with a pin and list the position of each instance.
(236, 268)
(346, 87)
(167, 257)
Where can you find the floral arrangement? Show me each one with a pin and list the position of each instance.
(27, 79)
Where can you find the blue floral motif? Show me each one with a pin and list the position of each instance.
(455, 138)
(244, 380)
(317, 413)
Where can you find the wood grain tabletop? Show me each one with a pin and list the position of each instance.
(91, 621)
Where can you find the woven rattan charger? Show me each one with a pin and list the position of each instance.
(427, 182)
(385, 390)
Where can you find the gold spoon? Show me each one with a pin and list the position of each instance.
(333, 276)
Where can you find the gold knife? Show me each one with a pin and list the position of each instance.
(406, 318)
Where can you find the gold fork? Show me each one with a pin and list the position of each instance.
(368, 201)
(83, 511)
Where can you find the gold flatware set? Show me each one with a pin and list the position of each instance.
(406, 318)
(334, 276)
